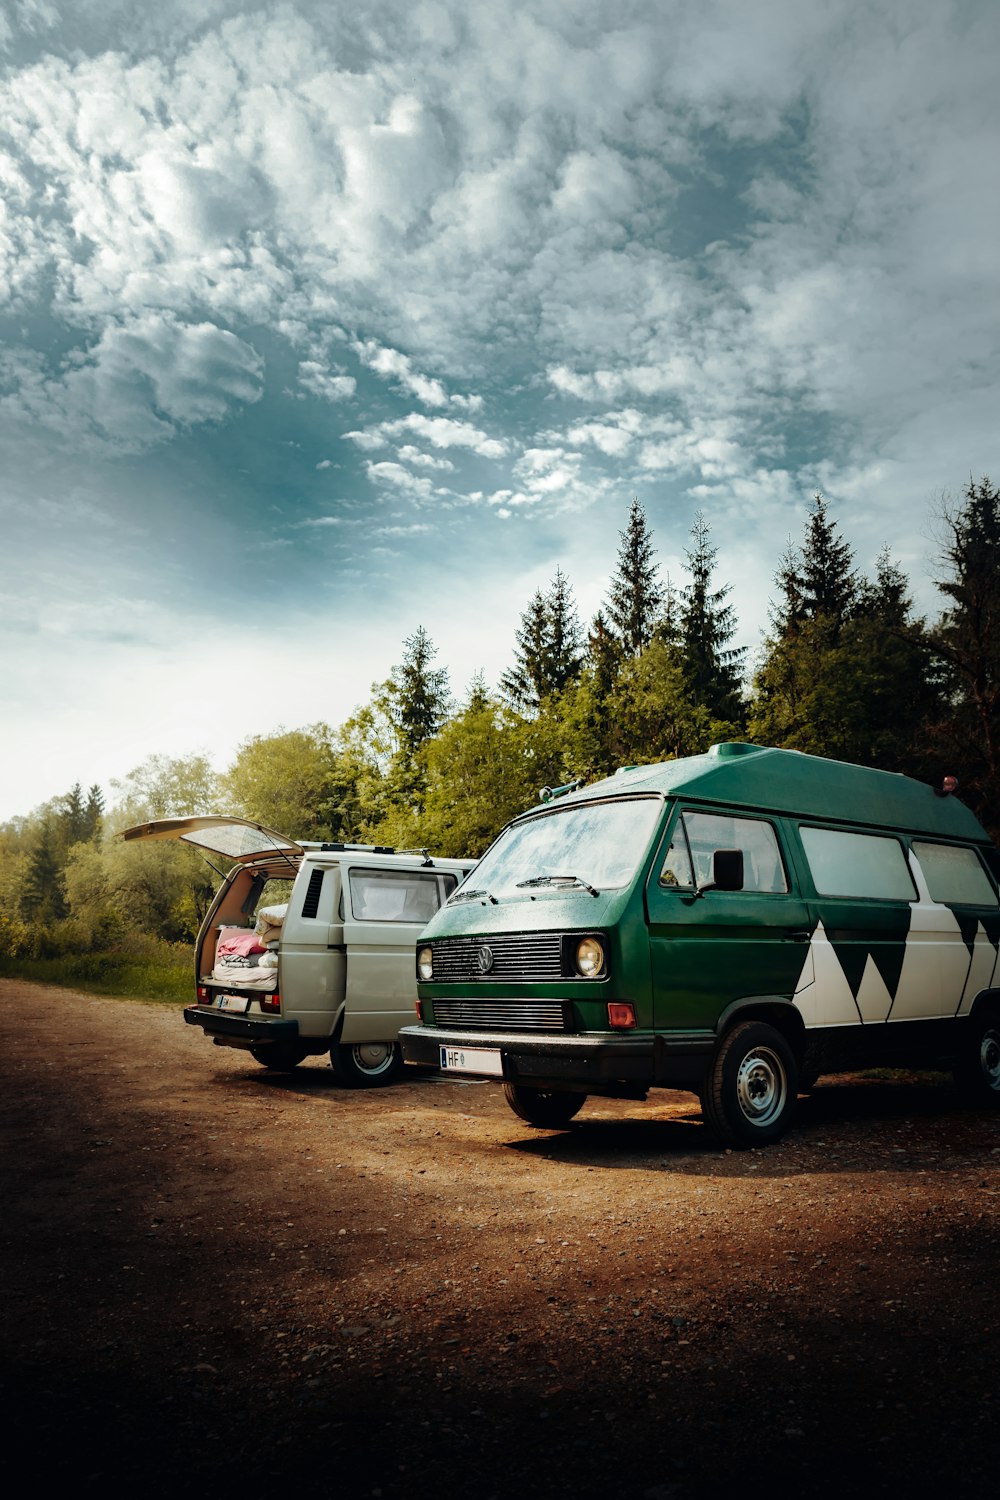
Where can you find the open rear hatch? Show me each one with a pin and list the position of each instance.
(237, 838)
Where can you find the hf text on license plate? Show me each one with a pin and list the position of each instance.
(471, 1060)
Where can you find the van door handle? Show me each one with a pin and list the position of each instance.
(798, 934)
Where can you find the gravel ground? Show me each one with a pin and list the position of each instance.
(226, 1281)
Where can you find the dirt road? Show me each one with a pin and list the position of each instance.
(229, 1282)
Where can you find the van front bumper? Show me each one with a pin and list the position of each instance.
(592, 1063)
(236, 1031)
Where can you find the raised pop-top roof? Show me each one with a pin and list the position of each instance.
(786, 781)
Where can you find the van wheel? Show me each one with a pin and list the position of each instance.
(281, 1058)
(366, 1065)
(549, 1109)
(748, 1097)
(977, 1067)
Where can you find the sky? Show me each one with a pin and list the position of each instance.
(320, 321)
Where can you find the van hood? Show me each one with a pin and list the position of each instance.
(542, 911)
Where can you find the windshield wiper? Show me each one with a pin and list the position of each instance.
(471, 896)
(555, 879)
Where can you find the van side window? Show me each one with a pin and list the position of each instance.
(955, 875)
(398, 895)
(698, 835)
(677, 865)
(865, 865)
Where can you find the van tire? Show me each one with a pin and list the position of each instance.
(548, 1109)
(282, 1059)
(748, 1096)
(366, 1065)
(977, 1066)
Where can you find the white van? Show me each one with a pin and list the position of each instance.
(308, 948)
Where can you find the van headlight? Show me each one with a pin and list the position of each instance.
(589, 957)
(425, 963)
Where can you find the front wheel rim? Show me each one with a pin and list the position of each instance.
(989, 1059)
(761, 1087)
(373, 1058)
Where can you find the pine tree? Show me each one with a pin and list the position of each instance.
(421, 694)
(549, 649)
(967, 640)
(635, 595)
(42, 896)
(565, 637)
(93, 812)
(712, 670)
(73, 817)
(828, 582)
(526, 682)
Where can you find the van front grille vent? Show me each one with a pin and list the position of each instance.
(310, 905)
(507, 956)
(504, 1015)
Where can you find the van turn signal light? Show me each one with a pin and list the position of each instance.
(621, 1015)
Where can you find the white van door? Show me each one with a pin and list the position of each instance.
(384, 913)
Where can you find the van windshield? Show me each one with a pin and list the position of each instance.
(597, 844)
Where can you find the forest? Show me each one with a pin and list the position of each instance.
(846, 669)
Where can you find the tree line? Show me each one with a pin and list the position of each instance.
(846, 670)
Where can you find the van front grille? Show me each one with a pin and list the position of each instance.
(503, 1015)
(507, 956)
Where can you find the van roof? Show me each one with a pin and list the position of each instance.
(788, 781)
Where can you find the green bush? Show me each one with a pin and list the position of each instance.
(137, 965)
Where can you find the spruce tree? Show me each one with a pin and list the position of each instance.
(712, 669)
(967, 640)
(549, 648)
(635, 596)
(565, 636)
(526, 682)
(827, 580)
(93, 812)
(421, 692)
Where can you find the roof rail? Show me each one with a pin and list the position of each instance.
(359, 848)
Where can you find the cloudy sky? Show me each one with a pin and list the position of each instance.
(322, 320)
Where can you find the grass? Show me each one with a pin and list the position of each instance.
(168, 978)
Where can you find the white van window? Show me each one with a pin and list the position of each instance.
(867, 865)
(955, 875)
(398, 895)
(706, 832)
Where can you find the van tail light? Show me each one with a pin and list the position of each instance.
(271, 1002)
(621, 1015)
(420, 1011)
(201, 995)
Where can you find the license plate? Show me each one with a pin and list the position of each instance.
(471, 1060)
(238, 1003)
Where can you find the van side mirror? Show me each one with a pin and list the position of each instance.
(727, 872)
(727, 869)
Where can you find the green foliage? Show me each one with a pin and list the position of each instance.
(166, 787)
(297, 782)
(849, 680)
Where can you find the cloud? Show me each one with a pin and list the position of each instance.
(143, 380)
(440, 432)
(319, 382)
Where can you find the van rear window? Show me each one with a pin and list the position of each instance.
(867, 865)
(955, 875)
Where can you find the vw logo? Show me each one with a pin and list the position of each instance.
(485, 957)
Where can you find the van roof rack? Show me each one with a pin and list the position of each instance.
(359, 848)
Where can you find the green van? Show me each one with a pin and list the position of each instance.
(736, 924)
